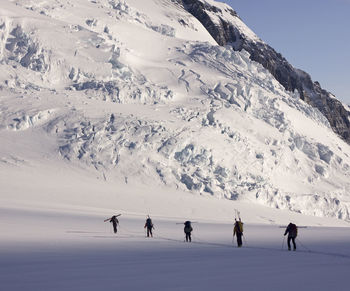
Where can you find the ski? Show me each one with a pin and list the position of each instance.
(183, 222)
(237, 214)
(111, 217)
(281, 226)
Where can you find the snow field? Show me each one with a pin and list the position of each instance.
(55, 250)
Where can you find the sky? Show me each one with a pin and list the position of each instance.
(313, 35)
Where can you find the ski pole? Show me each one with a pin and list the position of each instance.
(283, 242)
(245, 241)
(303, 245)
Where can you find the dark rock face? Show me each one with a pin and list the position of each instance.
(225, 33)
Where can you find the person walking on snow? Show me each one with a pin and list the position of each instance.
(238, 231)
(188, 229)
(149, 226)
(292, 231)
(115, 222)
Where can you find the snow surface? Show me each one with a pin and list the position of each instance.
(130, 107)
(52, 250)
(139, 91)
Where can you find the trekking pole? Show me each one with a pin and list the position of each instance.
(245, 241)
(303, 245)
(283, 242)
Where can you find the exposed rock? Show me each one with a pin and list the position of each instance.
(226, 33)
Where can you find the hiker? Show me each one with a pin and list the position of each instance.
(238, 231)
(115, 222)
(149, 226)
(292, 231)
(188, 229)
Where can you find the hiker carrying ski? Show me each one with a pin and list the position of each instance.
(115, 222)
(188, 229)
(238, 231)
(149, 226)
(292, 231)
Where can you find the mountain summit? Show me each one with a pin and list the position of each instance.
(167, 93)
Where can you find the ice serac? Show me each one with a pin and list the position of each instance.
(225, 26)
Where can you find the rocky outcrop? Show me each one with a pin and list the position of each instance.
(225, 32)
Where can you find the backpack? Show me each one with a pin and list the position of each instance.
(293, 229)
(188, 228)
(239, 226)
(149, 222)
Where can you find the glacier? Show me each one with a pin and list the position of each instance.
(143, 93)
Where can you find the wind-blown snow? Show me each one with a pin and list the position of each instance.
(140, 92)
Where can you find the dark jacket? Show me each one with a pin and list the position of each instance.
(114, 220)
(149, 223)
(292, 230)
(188, 228)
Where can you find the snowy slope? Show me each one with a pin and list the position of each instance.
(225, 26)
(137, 92)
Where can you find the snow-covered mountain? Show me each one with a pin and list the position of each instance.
(224, 25)
(141, 91)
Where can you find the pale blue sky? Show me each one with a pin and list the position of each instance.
(313, 35)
